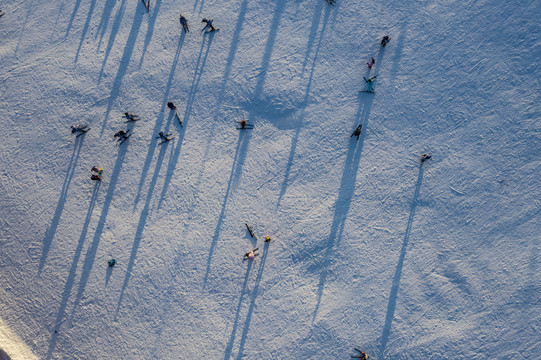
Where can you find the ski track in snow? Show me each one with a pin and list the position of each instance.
(370, 248)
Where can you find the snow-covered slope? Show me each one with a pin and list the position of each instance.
(371, 248)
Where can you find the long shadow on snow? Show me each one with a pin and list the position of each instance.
(313, 35)
(142, 221)
(159, 120)
(71, 277)
(124, 62)
(398, 272)
(85, 28)
(222, 90)
(345, 195)
(255, 292)
(93, 248)
(102, 26)
(73, 14)
(114, 31)
(236, 169)
(231, 341)
(150, 29)
(189, 103)
(49, 235)
(305, 104)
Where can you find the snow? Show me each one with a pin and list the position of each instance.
(371, 248)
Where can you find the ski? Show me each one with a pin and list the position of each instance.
(250, 230)
(368, 91)
(209, 31)
(132, 120)
(166, 140)
(124, 139)
(83, 132)
(178, 117)
(2, 13)
(245, 128)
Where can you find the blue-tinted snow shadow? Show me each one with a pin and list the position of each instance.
(343, 202)
(200, 3)
(231, 341)
(49, 234)
(102, 26)
(85, 28)
(255, 292)
(71, 277)
(159, 120)
(73, 14)
(236, 170)
(398, 271)
(150, 29)
(398, 47)
(143, 218)
(124, 62)
(93, 248)
(199, 68)
(313, 35)
(114, 31)
(304, 104)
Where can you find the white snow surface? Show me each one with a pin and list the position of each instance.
(371, 248)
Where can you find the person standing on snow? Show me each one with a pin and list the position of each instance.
(371, 63)
(208, 23)
(184, 23)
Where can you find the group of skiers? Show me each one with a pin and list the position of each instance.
(208, 24)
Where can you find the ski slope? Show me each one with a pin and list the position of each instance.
(370, 247)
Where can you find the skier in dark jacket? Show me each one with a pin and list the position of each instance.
(208, 23)
(171, 106)
(184, 23)
(425, 157)
(357, 132)
(385, 40)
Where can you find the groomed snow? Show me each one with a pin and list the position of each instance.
(371, 249)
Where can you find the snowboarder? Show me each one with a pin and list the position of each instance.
(131, 117)
(425, 157)
(251, 255)
(111, 262)
(362, 355)
(357, 132)
(184, 23)
(371, 63)
(208, 23)
(164, 136)
(385, 40)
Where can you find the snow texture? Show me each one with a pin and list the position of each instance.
(370, 247)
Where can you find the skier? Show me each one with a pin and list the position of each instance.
(332, 2)
(96, 170)
(251, 255)
(171, 106)
(369, 82)
(79, 128)
(131, 117)
(385, 40)
(267, 239)
(95, 177)
(164, 136)
(357, 132)
(425, 157)
(371, 63)
(120, 135)
(208, 25)
(244, 125)
(111, 262)
(184, 23)
(362, 355)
